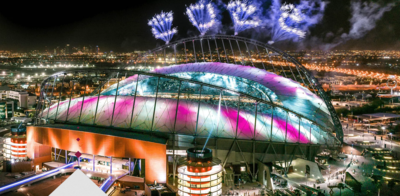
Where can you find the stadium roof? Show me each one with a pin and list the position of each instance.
(222, 113)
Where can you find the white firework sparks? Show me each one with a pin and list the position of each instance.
(162, 26)
(241, 12)
(201, 15)
(290, 11)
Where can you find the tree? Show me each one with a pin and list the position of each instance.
(377, 182)
(378, 186)
(341, 186)
(391, 184)
(393, 129)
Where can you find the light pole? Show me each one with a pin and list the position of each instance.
(383, 128)
(351, 148)
(391, 139)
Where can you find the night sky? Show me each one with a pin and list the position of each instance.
(122, 26)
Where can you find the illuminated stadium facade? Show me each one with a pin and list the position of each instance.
(245, 100)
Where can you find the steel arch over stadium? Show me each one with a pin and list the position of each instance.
(185, 88)
(252, 53)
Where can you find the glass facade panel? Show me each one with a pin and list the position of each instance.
(315, 135)
(187, 108)
(124, 105)
(246, 118)
(263, 126)
(106, 104)
(230, 82)
(76, 102)
(104, 110)
(293, 128)
(228, 114)
(123, 112)
(166, 109)
(89, 109)
(208, 113)
(279, 125)
(145, 102)
(62, 110)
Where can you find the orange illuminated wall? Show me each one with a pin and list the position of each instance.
(105, 145)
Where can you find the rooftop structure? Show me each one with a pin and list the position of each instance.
(221, 98)
(235, 96)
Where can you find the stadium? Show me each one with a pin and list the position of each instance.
(248, 102)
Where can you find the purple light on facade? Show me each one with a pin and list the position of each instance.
(29, 179)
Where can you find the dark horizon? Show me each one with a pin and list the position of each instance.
(122, 27)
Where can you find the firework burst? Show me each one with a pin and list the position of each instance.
(162, 26)
(292, 14)
(201, 15)
(243, 15)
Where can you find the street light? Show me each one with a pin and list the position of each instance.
(391, 139)
(383, 128)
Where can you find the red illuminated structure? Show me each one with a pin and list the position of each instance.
(14, 147)
(200, 174)
(41, 140)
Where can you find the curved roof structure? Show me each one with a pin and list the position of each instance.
(247, 80)
(202, 95)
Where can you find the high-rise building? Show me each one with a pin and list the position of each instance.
(97, 49)
(58, 50)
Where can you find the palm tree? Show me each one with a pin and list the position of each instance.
(377, 182)
(391, 184)
(341, 186)
(378, 186)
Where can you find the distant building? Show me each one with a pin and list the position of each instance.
(6, 109)
(57, 50)
(25, 100)
(3, 92)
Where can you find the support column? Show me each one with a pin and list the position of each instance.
(115, 100)
(155, 104)
(173, 161)
(55, 154)
(110, 165)
(70, 98)
(66, 156)
(134, 166)
(272, 123)
(129, 166)
(59, 96)
(94, 163)
(139, 162)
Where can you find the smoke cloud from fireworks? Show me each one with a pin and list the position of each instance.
(364, 17)
(292, 22)
(162, 26)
